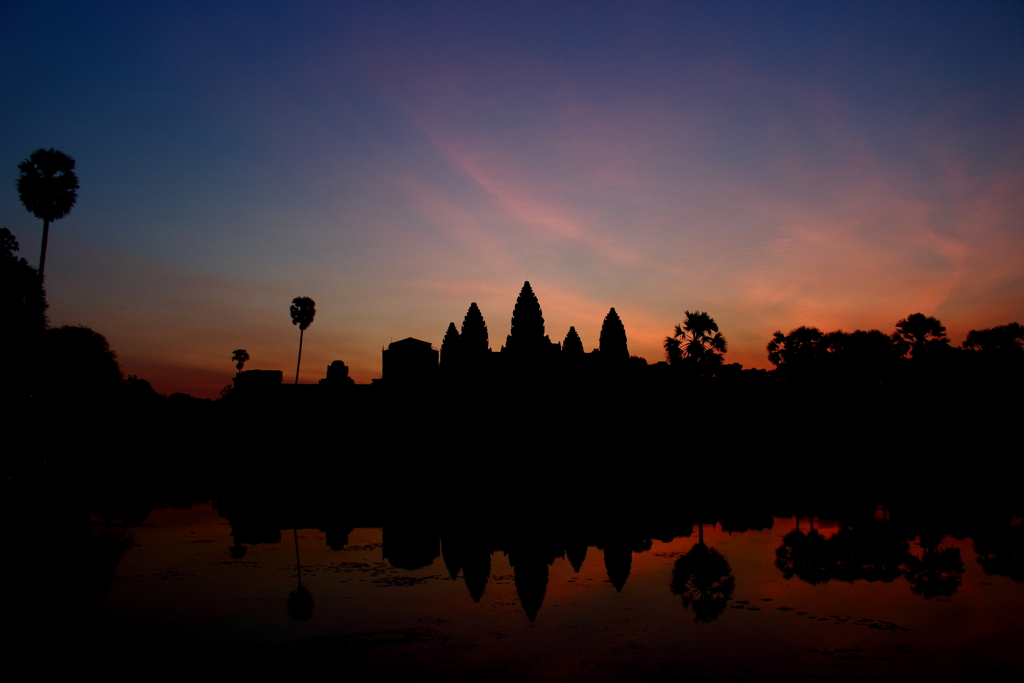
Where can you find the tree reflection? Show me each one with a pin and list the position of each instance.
(807, 556)
(937, 573)
(1001, 551)
(704, 579)
(300, 602)
(873, 552)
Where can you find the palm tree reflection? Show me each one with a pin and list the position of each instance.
(704, 579)
(300, 602)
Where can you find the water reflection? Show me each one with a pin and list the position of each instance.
(300, 602)
(473, 579)
(871, 551)
(704, 579)
(1001, 551)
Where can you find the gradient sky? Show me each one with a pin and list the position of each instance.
(777, 164)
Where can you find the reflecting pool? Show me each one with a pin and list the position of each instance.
(765, 597)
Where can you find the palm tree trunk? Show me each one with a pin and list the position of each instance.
(295, 533)
(42, 254)
(297, 364)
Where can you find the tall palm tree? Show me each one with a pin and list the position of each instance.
(240, 357)
(698, 338)
(49, 188)
(920, 334)
(302, 309)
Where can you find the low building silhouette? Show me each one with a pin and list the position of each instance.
(409, 361)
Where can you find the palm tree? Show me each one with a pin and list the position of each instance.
(920, 334)
(48, 187)
(241, 355)
(302, 309)
(698, 338)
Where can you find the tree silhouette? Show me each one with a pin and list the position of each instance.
(697, 338)
(572, 345)
(474, 331)
(302, 310)
(80, 364)
(613, 339)
(240, 357)
(48, 188)
(860, 357)
(798, 353)
(920, 335)
(1005, 340)
(22, 297)
(22, 316)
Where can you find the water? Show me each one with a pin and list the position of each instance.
(862, 601)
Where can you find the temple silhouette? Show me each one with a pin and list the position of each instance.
(466, 358)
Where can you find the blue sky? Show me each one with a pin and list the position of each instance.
(776, 164)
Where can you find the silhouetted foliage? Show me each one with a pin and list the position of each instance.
(22, 312)
(696, 339)
(703, 578)
(937, 574)
(22, 296)
(806, 556)
(920, 335)
(139, 391)
(302, 310)
(239, 356)
(863, 357)
(572, 345)
(1006, 341)
(797, 351)
(870, 552)
(48, 188)
(79, 365)
(474, 332)
(613, 339)
(1001, 552)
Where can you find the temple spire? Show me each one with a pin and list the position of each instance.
(527, 318)
(474, 331)
(613, 339)
(527, 335)
(572, 345)
(451, 348)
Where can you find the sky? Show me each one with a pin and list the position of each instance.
(841, 165)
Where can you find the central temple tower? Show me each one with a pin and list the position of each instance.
(527, 337)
